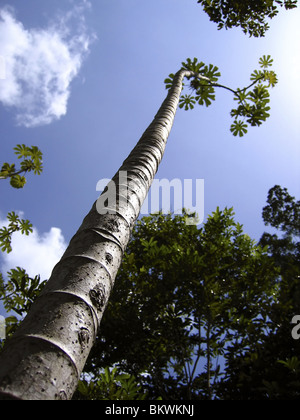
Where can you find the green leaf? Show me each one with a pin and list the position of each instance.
(292, 364)
(257, 75)
(15, 224)
(17, 181)
(205, 95)
(169, 81)
(83, 388)
(271, 77)
(187, 101)
(21, 150)
(35, 155)
(265, 61)
(212, 72)
(238, 128)
(193, 65)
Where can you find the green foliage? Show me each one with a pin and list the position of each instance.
(195, 313)
(17, 294)
(248, 14)
(185, 297)
(20, 291)
(293, 364)
(16, 224)
(238, 128)
(31, 161)
(111, 385)
(253, 105)
(271, 370)
(282, 211)
(206, 313)
(34, 163)
(187, 101)
(202, 85)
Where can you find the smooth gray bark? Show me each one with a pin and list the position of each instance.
(44, 359)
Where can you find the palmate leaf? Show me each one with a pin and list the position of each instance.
(238, 128)
(259, 95)
(257, 75)
(258, 115)
(17, 181)
(271, 77)
(212, 72)
(21, 150)
(35, 155)
(205, 95)
(16, 224)
(265, 61)
(169, 81)
(187, 101)
(193, 65)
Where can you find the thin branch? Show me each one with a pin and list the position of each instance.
(14, 174)
(236, 92)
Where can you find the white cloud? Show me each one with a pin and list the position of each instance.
(40, 64)
(36, 253)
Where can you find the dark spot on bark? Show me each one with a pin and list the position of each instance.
(97, 296)
(112, 225)
(109, 258)
(63, 395)
(84, 337)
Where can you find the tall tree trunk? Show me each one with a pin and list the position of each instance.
(45, 358)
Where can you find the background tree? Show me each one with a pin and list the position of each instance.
(208, 313)
(182, 297)
(271, 370)
(250, 15)
(18, 290)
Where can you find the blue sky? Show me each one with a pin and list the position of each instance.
(84, 80)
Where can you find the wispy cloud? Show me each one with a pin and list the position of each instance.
(40, 64)
(36, 253)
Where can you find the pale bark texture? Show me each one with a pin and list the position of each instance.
(44, 359)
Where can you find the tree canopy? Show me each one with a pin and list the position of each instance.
(250, 15)
(196, 313)
(252, 100)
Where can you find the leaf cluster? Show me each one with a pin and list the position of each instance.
(282, 211)
(183, 296)
(110, 385)
(31, 161)
(253, 105)
(16, 224)
(248, 14)
(20, 291)
(202, 83)
(271, 369)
